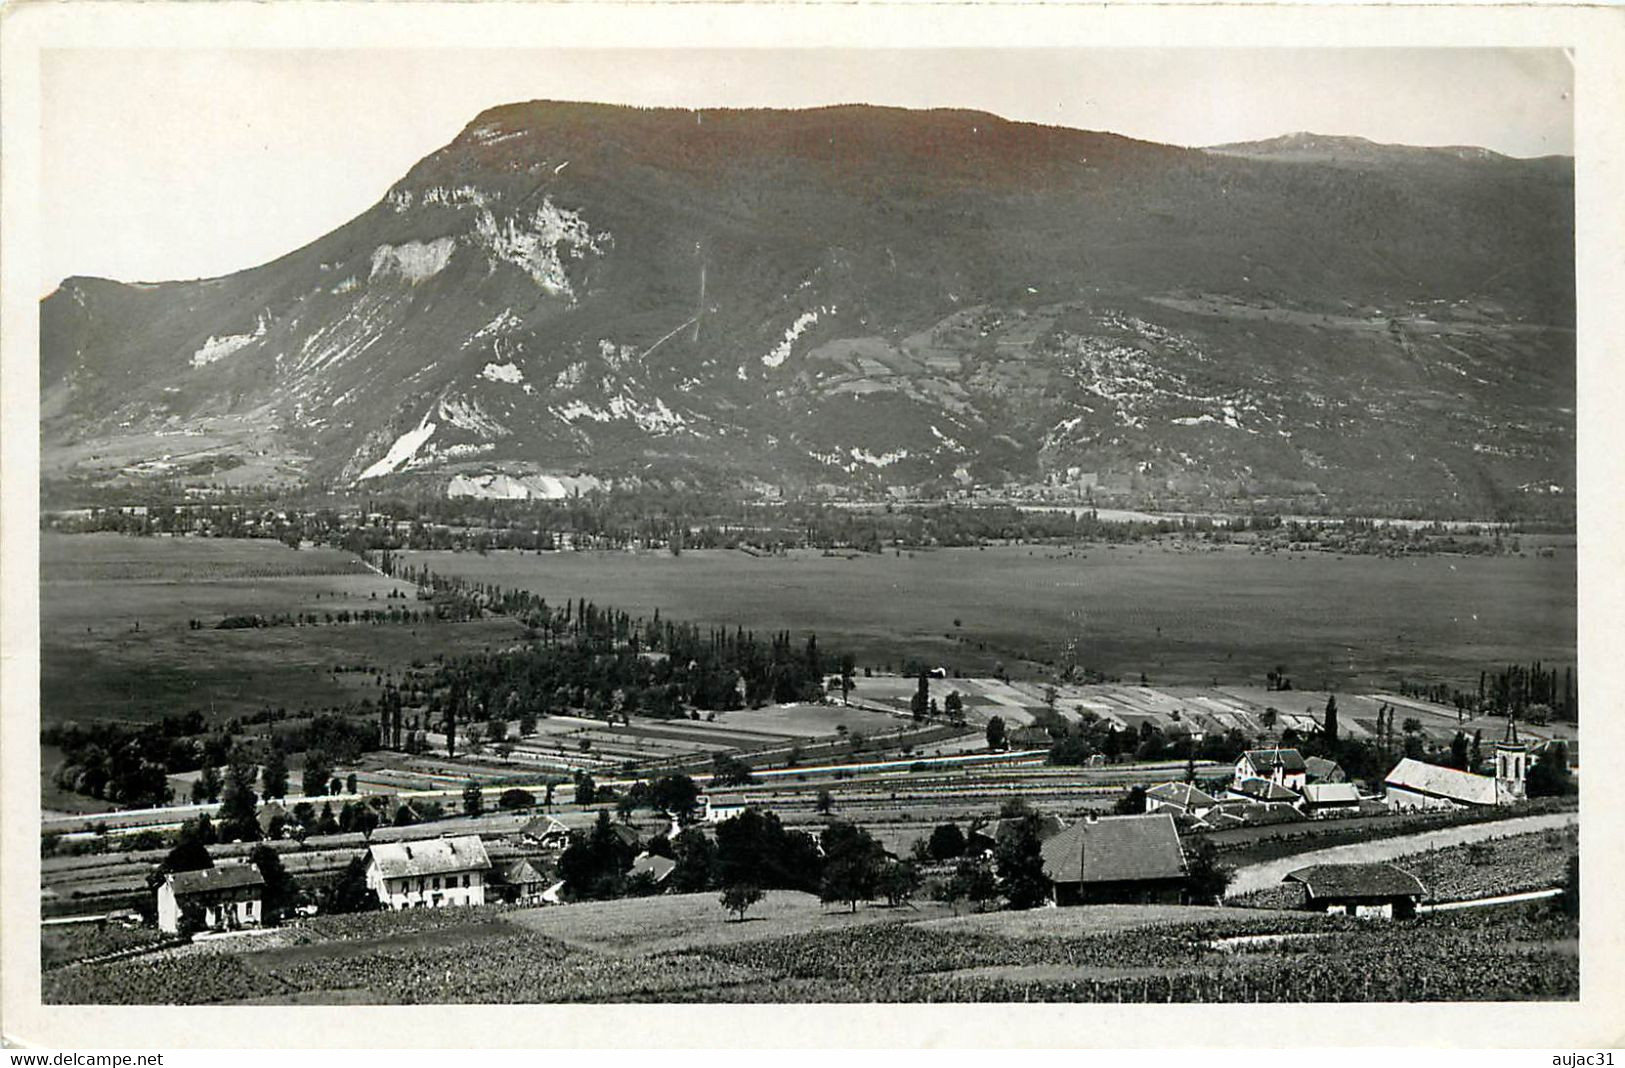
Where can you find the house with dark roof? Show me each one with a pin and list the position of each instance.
(1117, 859)
(429, 873)
(267, 818)
(1319, 769)
(545, 832)
(521, 883)
(226, 898)
(1371, 890)
(1284, 767)
(1049, 825)
(628, 835)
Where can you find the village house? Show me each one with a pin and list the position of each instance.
(1367, 890)
(431, 873)
(1117, 860)
(1319, 769)
(1179, 799)
(226, 898)
(522, 884)
(1232, 812)
(655, 866)
(545, 832)
(1263, 790)
(272, 818)
(1330, 798)
(1284, 767)
(714, 810)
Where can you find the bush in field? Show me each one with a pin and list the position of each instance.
(947, 842)
(740, 897)
(995, 732)
(729, 770)
(318, 773)
(473, 798)
(898, 882)
(516, 799)
(677, 795)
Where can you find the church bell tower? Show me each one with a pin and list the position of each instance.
(1511, 766)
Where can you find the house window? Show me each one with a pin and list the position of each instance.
(465, 881)
(437, 882)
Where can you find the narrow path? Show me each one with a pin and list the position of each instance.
(1269, 873)
(1500, 899)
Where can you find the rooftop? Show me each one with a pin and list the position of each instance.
(1116, 849)
(1264, 759)
(433, 856)
(1181, 793)
(1331, 793)
(1357, 881)
(1448, 783)
(206, 880)
(1263, 790)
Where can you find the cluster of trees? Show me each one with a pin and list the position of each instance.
(1531, 692)
(607, 663)
(283, 892)
(1076, 743)
(131, 764)
(752, 852)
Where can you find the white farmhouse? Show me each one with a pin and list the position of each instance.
(432, 873)
(1283, 767)
(227, 898)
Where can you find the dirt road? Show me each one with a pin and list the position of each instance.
(1269, 873)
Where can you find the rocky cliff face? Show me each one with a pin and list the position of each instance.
(861, 297)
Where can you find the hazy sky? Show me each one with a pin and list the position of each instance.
(185, 164)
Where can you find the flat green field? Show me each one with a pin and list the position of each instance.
(1180, 617)
(115, 641)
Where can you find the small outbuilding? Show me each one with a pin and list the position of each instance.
(1319, 769)
(1330, 798)
(228, 898)
(1369, 890)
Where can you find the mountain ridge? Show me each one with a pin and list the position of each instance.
(855, 298)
